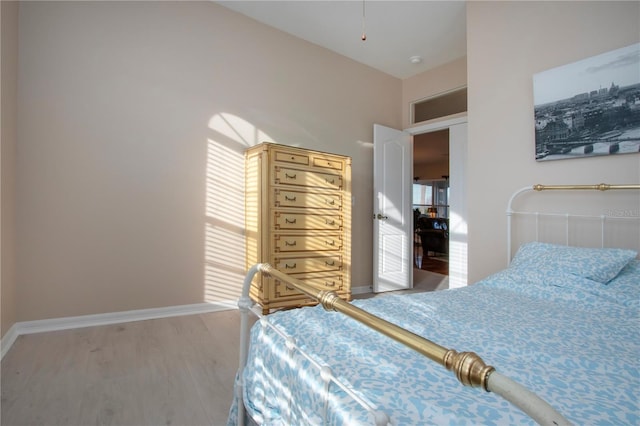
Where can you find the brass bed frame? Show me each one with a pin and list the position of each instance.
(468, 367)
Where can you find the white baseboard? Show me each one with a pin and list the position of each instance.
(7, 340)
(55, 324)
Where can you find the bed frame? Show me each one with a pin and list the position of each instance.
(602, 219)
(468, 367)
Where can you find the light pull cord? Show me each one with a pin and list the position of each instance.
(364, 33)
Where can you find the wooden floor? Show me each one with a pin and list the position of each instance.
(172, 371)
(438, 265)
(434, 262)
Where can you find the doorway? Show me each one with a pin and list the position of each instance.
(456, 212)
(431, 208)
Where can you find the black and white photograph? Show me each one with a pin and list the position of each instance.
(590, 107)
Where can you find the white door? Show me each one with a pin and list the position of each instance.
(392, 215)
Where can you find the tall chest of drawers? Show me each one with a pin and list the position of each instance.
(297, 219)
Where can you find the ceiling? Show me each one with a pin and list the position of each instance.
(395, 30)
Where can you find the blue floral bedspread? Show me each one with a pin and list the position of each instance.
(573, 341)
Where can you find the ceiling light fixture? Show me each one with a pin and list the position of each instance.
(415, 59)
(364, 34)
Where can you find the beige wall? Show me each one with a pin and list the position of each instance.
(442, 79)
(133, 120)
(508, 42)
(9, 73)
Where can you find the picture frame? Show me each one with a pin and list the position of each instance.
(589, 108)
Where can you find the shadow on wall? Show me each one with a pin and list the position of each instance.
(224, 229)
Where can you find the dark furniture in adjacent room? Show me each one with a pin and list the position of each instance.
(434, 234)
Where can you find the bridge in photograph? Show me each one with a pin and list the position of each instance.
(566, 146)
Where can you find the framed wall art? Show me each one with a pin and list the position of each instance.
(590, 107)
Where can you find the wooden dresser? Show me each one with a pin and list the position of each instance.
(298, 219)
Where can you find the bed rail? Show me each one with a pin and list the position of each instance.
(539, 187)
(468, 367)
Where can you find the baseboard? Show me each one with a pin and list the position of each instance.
(66, 323)
(361, 290)
(7, 340)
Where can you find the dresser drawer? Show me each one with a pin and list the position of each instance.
(306, 178)
(329, 283)
(327, 162)
(284, 156)
(302, 243)
(299, 265)
(312, 200)
(302, 221)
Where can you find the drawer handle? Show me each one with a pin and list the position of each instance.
(287, 243)
(288, 176)
(330, 262)
(289, 220)
(332, 181)
(330, 222)
(286, 266)
(286, 197)
(330, 243)
(331, 202)
(330, 284)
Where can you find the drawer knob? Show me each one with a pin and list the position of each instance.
(286, 220)
(288, 176)
(290, 243)
(331, 202)
(330, 243)
(286, 197)
(330, 222)
(329, 262)
(287, 266)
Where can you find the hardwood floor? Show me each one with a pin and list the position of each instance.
(171, 371)
(434, 262)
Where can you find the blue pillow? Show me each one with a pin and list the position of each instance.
(626, 286)
(597, 264)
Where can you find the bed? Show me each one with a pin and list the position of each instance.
(560, 324)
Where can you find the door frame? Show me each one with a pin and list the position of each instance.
(458, 266)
